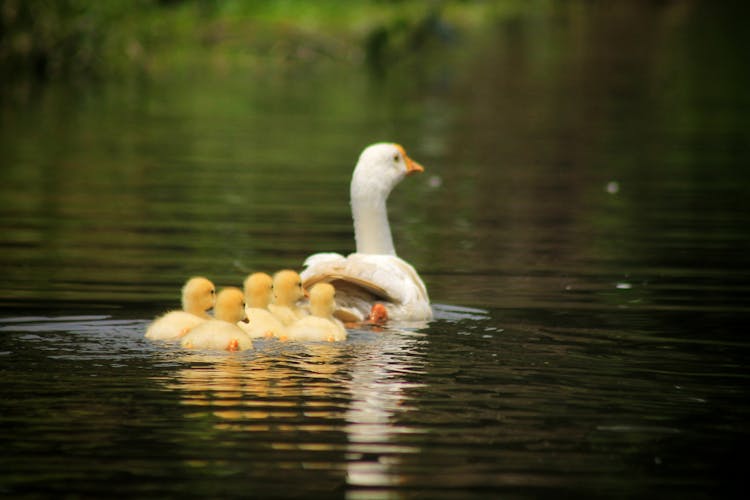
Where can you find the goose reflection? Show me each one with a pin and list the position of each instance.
(380, 383)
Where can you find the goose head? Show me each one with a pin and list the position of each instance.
(198, 296)
(322, 302)
(230, 305)
(287, 288)
(258, 290)
(380, 168)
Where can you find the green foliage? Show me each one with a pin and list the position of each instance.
(47, 39)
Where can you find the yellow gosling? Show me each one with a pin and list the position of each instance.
(260, 322)
(321, 324)
(222, 333)
(287, 291)
(198, 297)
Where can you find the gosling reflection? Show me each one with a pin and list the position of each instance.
(360, 387)
(274, 389)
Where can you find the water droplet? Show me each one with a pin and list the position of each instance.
(435, 182)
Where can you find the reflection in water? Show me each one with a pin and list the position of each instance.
(280, 390)
(378, 389)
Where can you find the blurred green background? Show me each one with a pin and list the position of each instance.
(143, 141)
(81, 38)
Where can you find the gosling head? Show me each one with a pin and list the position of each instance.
(287, 287)
(230, 305)
(198, 296)
(322, 301)
(258, 290)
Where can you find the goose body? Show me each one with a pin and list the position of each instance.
(222, 333)
(374, 273)
(260, 322)
(320, 325)
(198, 296)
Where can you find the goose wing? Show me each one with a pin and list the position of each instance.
(362, 279)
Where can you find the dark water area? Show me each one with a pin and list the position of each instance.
(581, 227)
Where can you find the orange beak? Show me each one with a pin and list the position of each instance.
(412, 167)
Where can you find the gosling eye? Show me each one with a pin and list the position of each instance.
(396, 158)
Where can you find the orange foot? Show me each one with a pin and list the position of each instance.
(268, 334)
(378, 314)
(234, 345)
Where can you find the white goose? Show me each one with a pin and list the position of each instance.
(374, 273)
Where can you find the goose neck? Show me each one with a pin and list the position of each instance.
(372, 231)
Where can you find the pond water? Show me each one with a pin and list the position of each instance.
(581, 227)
